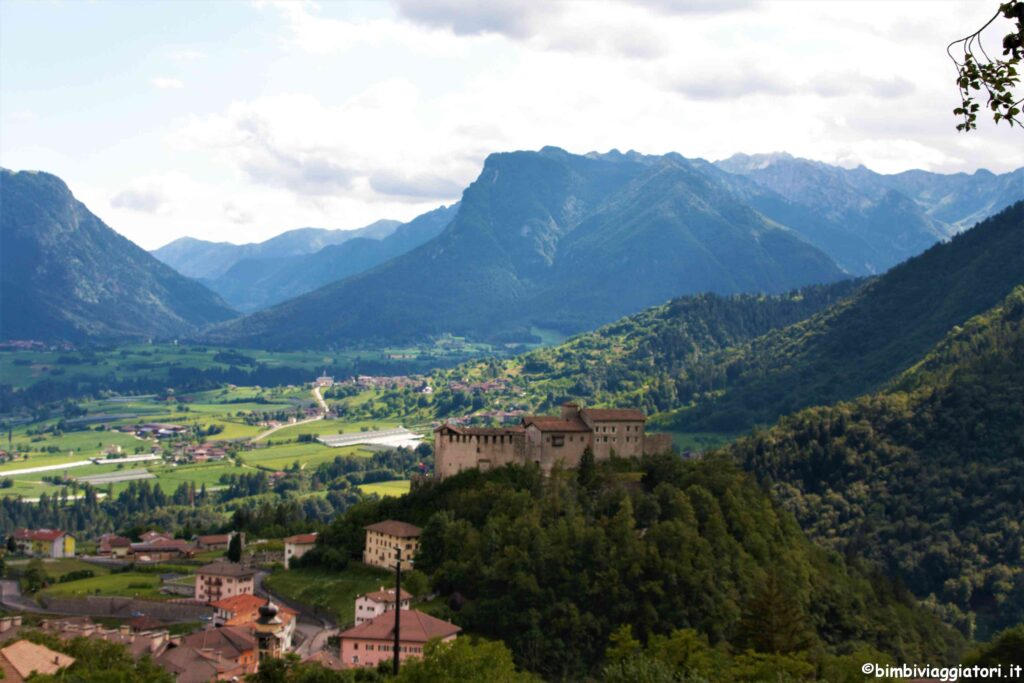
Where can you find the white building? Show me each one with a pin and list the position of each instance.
(372, 605)
(297, 546)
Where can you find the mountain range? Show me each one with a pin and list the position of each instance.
(553, 240)
(206, 261)
(550, 240)
(65, 275)
(253, 283)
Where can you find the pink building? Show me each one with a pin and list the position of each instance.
(373, 642)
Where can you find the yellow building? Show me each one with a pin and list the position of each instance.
(52, 543)
(384, 537)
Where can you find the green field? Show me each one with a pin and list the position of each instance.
(307, 454)
(57, 568)
(329, 590)
(398, 487)
(127, 584)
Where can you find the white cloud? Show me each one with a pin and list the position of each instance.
(146, 200)
(165, 83)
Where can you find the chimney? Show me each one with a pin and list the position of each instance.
(569, 411)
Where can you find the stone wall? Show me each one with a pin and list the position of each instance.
(106, 606)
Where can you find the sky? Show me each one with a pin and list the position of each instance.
(234, 121)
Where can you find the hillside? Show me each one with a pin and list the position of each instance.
(859, 344)
(256, 282)
(632, 362)
(552, 240)
(65, 275)
(558, 566)
(207, 261)
(926, 477)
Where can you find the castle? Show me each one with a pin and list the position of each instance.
(546, 440)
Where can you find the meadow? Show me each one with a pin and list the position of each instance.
(333, 591)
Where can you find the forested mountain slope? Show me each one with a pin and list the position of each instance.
(65, 275)
(927, 477)
(633, 361)
(554, 566)
(859, 344)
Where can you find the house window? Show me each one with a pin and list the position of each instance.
(558, 441)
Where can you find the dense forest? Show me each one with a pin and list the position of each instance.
(638, 360)
(926, 478)
(555, 566)
(864, 341)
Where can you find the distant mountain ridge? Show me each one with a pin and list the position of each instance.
(553, 239)
(253, 283)
(65, 275)
(205, 260)
(865, 220)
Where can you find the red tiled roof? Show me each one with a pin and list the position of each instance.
(215, 538)
(415, 627)
(615, 414)
(27, 657)
(238, 603)
(226, 569)
(387, 596)
(230, 641)
(302, 539)
(38, 534)
(393, 527)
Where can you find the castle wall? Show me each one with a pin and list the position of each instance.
(456, 452)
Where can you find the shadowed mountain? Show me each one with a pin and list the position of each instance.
(65, 275)
(555, 240)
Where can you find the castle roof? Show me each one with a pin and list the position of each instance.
(615, 414)
(480, 431)
(547, 423)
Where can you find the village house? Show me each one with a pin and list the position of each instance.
(19, 660)
(160, 548)
(324, 380)
(114, 546)
(151, 640)
(384, 537)
(244, 611)
(371, 605)
(227, 653)
(546, 440)
(297, 546)
(222, 580)
(272, 632)
(52, 543)
(373, 641)
(215, 541)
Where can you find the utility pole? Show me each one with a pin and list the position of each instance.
(398, 601)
